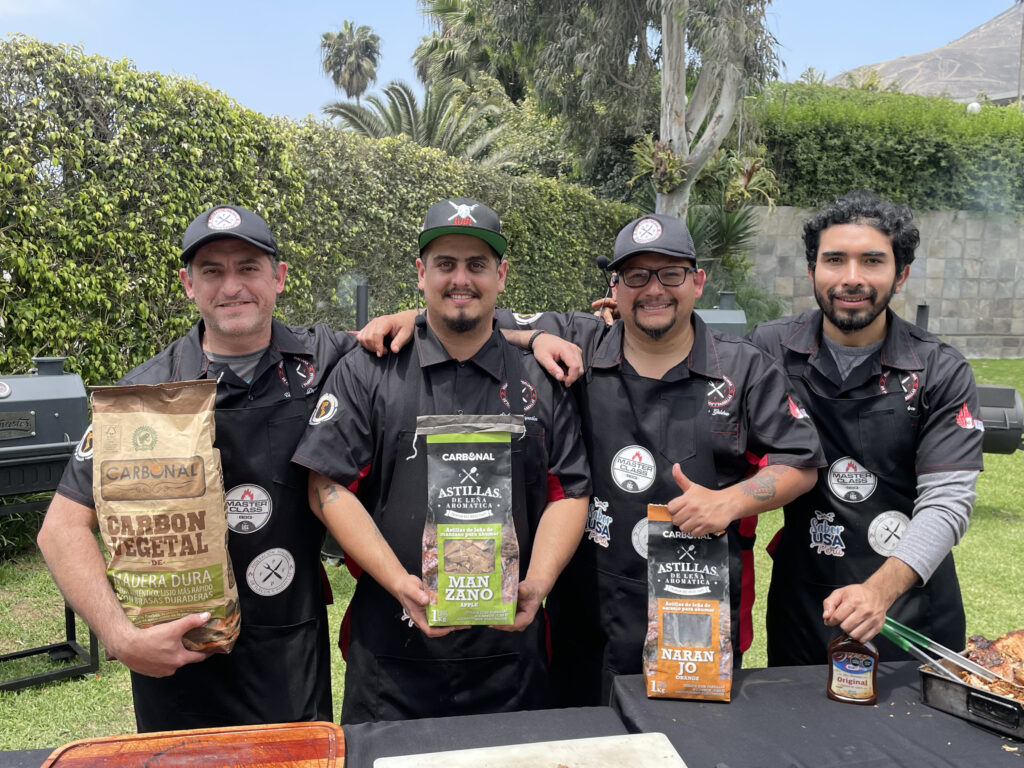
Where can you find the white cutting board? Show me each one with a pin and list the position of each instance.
(639, 750)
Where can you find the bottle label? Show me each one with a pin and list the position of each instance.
(851, 675)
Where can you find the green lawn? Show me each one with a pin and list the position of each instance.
(31, 612)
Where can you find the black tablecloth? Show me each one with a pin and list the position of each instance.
(781, 717)
(365, 742)
(24, 758)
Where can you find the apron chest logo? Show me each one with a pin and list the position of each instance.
(826, 537)
(850, 481)
(886, 530)
(248, 508)
(271, 573)
(633, 469)
(599, 523)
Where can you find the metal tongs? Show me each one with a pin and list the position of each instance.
(911, 641)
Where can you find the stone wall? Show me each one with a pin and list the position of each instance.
(969, 271)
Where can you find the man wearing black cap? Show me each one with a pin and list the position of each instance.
(673, 413)
(374, 475)
(269, 377)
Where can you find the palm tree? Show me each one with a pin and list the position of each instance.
(350, 58)
(459, 48)
(451, 119)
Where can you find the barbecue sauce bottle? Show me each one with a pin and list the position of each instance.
(852, 671)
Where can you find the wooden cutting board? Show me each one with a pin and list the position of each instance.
(286, 745)
(639, 750)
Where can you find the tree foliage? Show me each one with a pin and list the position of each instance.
(350, 57)
(103, 167)
(926, 152)
(452, 119)
(620, 69)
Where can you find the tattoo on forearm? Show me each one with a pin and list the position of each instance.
(327, 494)
(761, 486)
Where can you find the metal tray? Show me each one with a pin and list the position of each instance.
(975, 705)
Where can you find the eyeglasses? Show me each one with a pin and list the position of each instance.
(671, 277)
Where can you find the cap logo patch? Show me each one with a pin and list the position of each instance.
(463, 215)
(223, 218)
(646, 231)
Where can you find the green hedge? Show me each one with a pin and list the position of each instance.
(102, 167)
(926, 152)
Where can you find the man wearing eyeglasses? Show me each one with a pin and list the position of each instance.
(673, 413)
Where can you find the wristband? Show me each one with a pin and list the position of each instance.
(533, 338)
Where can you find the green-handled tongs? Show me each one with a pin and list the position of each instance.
(912, 641)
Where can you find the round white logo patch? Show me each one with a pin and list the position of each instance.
(633, 469)
(639, 537)
(271, 572)
(223, 218)
(325, 409)
(646, 231)
(249, 508)
(525, 319)
(886, 530)
(83, 451)
(850, 481)
(720, 393)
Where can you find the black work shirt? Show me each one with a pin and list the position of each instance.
(371, 406)
(937, 382)
(308, 352)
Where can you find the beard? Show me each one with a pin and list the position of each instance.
(847, 321)
(461, 323)
(654, 332)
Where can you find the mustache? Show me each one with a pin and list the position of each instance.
(474, 293)
(871, 294)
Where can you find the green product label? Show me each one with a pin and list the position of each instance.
(140, 590)
(469, 576)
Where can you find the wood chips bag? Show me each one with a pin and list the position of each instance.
(687, 651)
(159, 496)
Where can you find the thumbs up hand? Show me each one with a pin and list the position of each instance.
(698, 510)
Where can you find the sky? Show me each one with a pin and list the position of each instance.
(265, 54)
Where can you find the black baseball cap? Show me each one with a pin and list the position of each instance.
(462, 216)
(224, 221)
(653, 233)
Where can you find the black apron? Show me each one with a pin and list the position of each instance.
(394, 672)
(598, 628)
(279, 670)
(870, 443)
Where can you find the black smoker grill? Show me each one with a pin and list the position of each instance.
(42, 417)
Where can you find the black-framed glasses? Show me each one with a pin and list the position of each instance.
(671, 277)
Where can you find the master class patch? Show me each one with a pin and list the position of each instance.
(223, 218)
(850, 481)
(325, 409)
(248, 508)
(646, 231)
(721, 393)
(633, 469)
